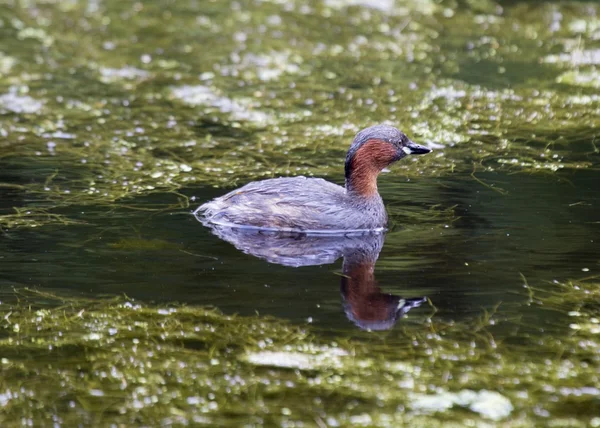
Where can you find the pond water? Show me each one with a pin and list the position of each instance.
(473, 255)
(479, 305)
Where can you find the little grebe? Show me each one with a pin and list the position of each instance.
(313, 205)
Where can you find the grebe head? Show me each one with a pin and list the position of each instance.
(372, 150)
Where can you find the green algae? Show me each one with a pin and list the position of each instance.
(143, 244)
(104, 104)
(35, 218)
(120, 361)
(273, 97)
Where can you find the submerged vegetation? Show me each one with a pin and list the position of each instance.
(128, 100)
(116, 107)
(119, 361)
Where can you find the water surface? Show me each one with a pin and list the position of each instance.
(118, 119)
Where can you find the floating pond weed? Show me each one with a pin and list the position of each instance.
(115, 103)
(119, 118)
(139, 363)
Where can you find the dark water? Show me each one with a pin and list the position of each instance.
(468, 252)
(117, 119)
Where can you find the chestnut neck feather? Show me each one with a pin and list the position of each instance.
(365, 165)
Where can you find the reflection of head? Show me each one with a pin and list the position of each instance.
(364, 303)
(379, 312)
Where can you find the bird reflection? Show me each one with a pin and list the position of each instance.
(364, 302)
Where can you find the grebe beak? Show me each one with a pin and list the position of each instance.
(415, 149)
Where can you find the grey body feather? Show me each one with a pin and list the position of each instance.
(297, 204)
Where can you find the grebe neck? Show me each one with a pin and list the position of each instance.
(364, 164)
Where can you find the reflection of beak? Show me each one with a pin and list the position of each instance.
(415, 149)
(404, 305)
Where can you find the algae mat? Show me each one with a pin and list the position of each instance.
(118, 118)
